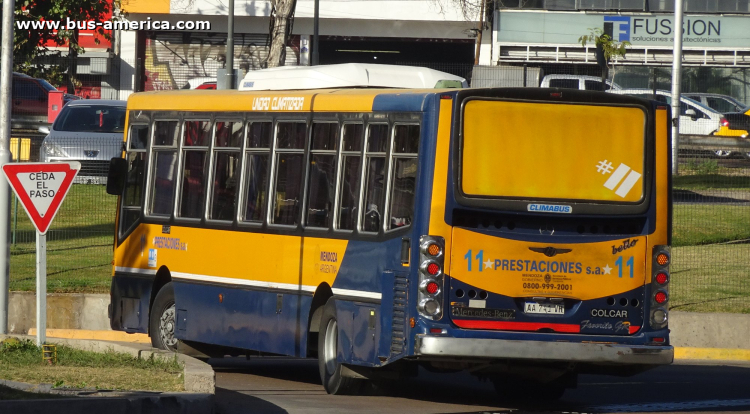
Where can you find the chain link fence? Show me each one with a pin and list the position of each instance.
(711, 222)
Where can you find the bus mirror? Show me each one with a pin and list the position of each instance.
(118, 171)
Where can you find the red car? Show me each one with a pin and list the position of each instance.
(30, 95)
(207, 85)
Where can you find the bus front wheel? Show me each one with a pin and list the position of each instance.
(329, 367)
(161, 324)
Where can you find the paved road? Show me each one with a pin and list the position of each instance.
(281, 385)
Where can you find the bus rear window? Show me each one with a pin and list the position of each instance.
(522, 150)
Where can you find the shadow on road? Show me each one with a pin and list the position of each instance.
(229, 402)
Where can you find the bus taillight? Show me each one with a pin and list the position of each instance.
(660, 287)
(431, 248)
(662, 259)
(431, 260)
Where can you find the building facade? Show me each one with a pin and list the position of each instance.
(368, 31)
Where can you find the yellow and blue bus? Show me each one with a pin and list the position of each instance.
(522, 234)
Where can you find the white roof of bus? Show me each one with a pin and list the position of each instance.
(345, 75)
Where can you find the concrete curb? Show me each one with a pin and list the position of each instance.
(199, 377)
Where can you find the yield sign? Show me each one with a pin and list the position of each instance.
(41, 187)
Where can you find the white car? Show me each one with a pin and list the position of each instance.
(695, 118)
(582, 82)
(89, 131)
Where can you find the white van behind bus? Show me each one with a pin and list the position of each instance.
(582, 82)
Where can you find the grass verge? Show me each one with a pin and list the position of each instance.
(79, 244)
(21, 360)
(698, 224)
(710, 278)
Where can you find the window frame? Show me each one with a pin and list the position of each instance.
(182, 149)
(275, 152)
(392, 161)
(365, 170)
(246, 151)
(168, 117)
(213, 150)
(337, 164)
(340, 174)
(141, 208)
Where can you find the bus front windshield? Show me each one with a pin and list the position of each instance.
(550, 151)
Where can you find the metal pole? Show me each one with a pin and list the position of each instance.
(41, 288)
(315, 58)
(676, 79)
(15, 199)
(230, 47)
(6, 71)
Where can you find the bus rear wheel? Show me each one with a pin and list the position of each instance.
(161, 323)
(329, 367)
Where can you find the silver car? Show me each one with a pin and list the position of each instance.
(89, 131)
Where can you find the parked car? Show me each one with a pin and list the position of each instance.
(736, 113)
(30, 97)
(576, 82)
(695, 118)
(207, 85)
(718, 102)
(89, 131)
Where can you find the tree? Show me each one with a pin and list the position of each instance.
(606, 46)
(280, 31)
(31, 44)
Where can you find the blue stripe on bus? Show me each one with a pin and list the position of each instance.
(400, 102)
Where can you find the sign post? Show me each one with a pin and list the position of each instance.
(41, 187)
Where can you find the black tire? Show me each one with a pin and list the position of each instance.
(329, 367)
(527, 391)
(161, 319)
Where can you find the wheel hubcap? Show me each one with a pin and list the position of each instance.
(329, 351)
(166, 327)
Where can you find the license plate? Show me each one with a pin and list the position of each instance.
(544, 308)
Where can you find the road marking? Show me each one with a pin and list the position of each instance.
(712, 354)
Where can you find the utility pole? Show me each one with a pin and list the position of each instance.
(676, 80)
(6, 73)
(230, 48)
(480, 29)
(315, 59)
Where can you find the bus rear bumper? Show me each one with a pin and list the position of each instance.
(435, 346)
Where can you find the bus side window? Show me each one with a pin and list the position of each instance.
(290, 154)
(259, 135)
(225, 174)
(196, 137)
(133, 193)
(405, 148)
(351, 166)
(164, 169)
(322, 176)
(375, 170)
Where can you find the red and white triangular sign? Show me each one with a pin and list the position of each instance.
(41, 187)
